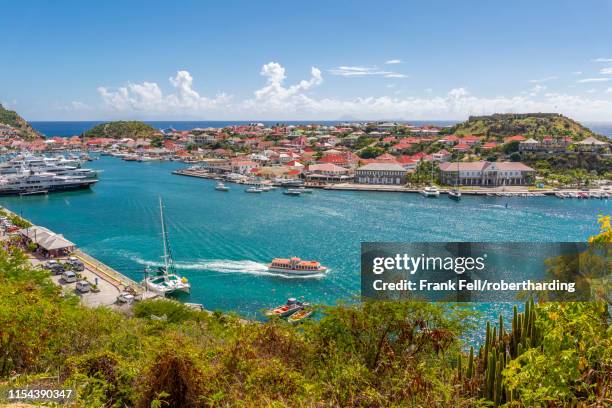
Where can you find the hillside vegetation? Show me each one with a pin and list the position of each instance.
(24, 129)
(528, 124)
(121, 129)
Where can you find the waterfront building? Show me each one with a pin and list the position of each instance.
(484, 173)
(48, 242)
(328, 173)
(381, 173)
(243, 166)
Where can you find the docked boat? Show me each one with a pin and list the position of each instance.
(34, 192)
(253, 190)
(296, 266)
(305, 190)
(292, 306)
(300, 315)
(35, 182)
(165, 280)
(430, 192)
(221, 187)
(454, 194)
(292, 192)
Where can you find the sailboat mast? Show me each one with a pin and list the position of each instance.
(163, 226)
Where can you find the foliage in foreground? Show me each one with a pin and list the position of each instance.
(375, 354)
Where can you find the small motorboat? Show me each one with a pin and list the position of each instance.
(292, 192)
(300, 315)
(430, 192)
(34, 192)
(253, 190)
(221, 187)
(454, 194)
(287, 309)
(305, 190)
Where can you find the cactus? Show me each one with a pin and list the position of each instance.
(459, 368)
(501, 347)
(470, 367)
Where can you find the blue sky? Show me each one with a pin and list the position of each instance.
(75, 60)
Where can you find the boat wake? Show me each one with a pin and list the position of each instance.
(230, 266)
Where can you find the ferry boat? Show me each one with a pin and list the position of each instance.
(166, 280)
(292, 306)
(296, 266)
(31, 181)
(430, 192)
(221, 187)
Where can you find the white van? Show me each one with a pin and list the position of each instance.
(69, 277)
(83, 286)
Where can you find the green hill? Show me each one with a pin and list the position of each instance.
(24, 129)
(121, 129)
(528, 124)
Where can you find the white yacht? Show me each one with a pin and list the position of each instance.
(454, 194)
(253, 189)
(221, 187)
(32, 182)
(430, 192)
(165, 280)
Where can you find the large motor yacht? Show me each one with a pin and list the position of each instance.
(32, 182)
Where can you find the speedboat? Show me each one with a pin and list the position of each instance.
(287, 309)
(221, 187)
(300, 315)
(296, 266)
(430, 192)
(253, 190)
(305, 190)
(292, 192)
(454, 194)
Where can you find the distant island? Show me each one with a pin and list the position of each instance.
(121, 129)
(11, 124)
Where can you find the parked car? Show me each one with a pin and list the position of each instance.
(83, 286)
(69, 277)
(75, 264)
(125, 297)
(56, 268)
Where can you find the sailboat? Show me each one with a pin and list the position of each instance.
(455, 194)
(165, 280)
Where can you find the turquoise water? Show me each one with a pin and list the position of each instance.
(221, 241)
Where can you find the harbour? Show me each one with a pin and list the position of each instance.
(222, 242)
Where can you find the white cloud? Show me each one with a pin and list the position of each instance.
(393, 61)
(361, 71)
(540, 80)
(577, 73)
(606, 71)
(276, 100)
(588, 80)
(274, 91)
(602, 60)
(536, 90)
(609, 90)
(148, 97)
